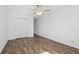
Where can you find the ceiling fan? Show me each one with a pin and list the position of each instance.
(40, 10)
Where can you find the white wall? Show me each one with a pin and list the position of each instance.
(20, 22)
(62, 25)
(3, 26)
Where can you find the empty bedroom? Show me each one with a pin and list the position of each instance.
(39, 29)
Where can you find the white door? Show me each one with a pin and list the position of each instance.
(21, 26)
(18, 26)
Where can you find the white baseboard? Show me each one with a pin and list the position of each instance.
(53, 38)
(4, 43)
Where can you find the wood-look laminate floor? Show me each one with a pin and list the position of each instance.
(37, 45)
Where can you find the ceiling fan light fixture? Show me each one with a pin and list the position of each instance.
(39, 10)
(39, 13)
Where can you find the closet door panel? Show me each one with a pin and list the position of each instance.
(19, 26)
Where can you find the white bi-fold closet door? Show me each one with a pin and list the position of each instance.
(24, 26)
(20, 22)
(20, 26)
